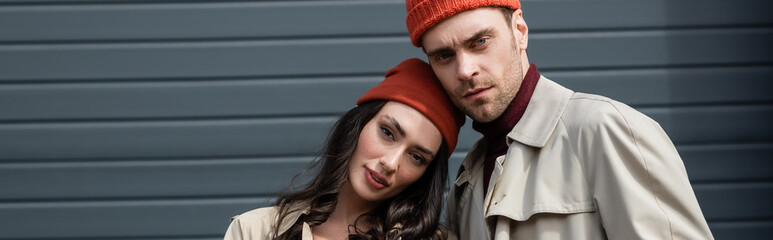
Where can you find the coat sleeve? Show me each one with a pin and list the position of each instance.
(234, 231)
(452, 219)
(639, 182)
(252, 225)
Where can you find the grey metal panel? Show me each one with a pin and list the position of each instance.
(589, 15)
(651, 48)
(735, 201)
(728, 162)
(335, 95)
(331, 18)
(267, 176)
(140, 218)
(751, 230)
(166, 139)
(283, 136)
(673, 86)
(711, 124)
(344, 55)
(210, 216)
(202, 20)
(149, 178)
(183, 99)
(201, 59)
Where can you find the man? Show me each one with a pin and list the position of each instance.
(552, 163)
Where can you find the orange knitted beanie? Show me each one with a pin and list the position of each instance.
(423, 14)
(414, 84)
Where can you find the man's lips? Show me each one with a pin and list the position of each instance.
(475, 93)
(375, 179)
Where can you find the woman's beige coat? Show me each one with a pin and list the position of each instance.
(257, 224)
(579, 166)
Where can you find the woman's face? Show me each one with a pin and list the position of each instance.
(394, 149)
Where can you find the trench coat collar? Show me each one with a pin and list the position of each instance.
(547, 103)
(293, 217)
(301, 209)
(478, 150)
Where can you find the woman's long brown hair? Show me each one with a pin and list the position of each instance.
(412, 214)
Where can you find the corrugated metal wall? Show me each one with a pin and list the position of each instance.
(161, 119)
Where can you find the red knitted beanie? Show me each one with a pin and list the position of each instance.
(423, 14)
(414, 84)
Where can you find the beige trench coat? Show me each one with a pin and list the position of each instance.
(257, 224)
(579, 166)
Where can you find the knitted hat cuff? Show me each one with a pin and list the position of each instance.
(423, 14)
(413, 83)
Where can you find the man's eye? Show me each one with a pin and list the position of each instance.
(444, 56)
(481, 41)
(387, 133)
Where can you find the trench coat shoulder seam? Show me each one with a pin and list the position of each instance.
(257, 220)
(646, 164)
(258, 213)
(576, 153)
(580, 123)
(615, 110)
(270, 215)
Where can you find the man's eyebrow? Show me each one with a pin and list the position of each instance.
(397, 124)
(476, 36)
(439, 50)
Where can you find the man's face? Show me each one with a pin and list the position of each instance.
(477, 56)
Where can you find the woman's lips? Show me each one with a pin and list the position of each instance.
(476, 93)
(374, 179)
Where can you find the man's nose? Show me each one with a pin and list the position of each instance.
(468, 67)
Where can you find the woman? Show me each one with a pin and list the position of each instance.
(383, 169)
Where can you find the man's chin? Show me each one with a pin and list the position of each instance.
(481, 116)
(483, 119)
(479, 110)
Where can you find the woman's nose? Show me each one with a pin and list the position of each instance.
(390, 161)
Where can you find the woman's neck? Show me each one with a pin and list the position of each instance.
(349, 206)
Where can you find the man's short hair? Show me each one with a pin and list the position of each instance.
(508, 12)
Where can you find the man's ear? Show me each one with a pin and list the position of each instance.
(520, 29)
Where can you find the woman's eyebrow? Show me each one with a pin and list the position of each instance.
(396, 124)
(425, 150)
(402, 133)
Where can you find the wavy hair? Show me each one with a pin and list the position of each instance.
(412, 214)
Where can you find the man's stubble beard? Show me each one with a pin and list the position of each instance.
(513, 75)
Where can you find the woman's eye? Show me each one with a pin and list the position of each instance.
(418, 158)
(387, 133)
